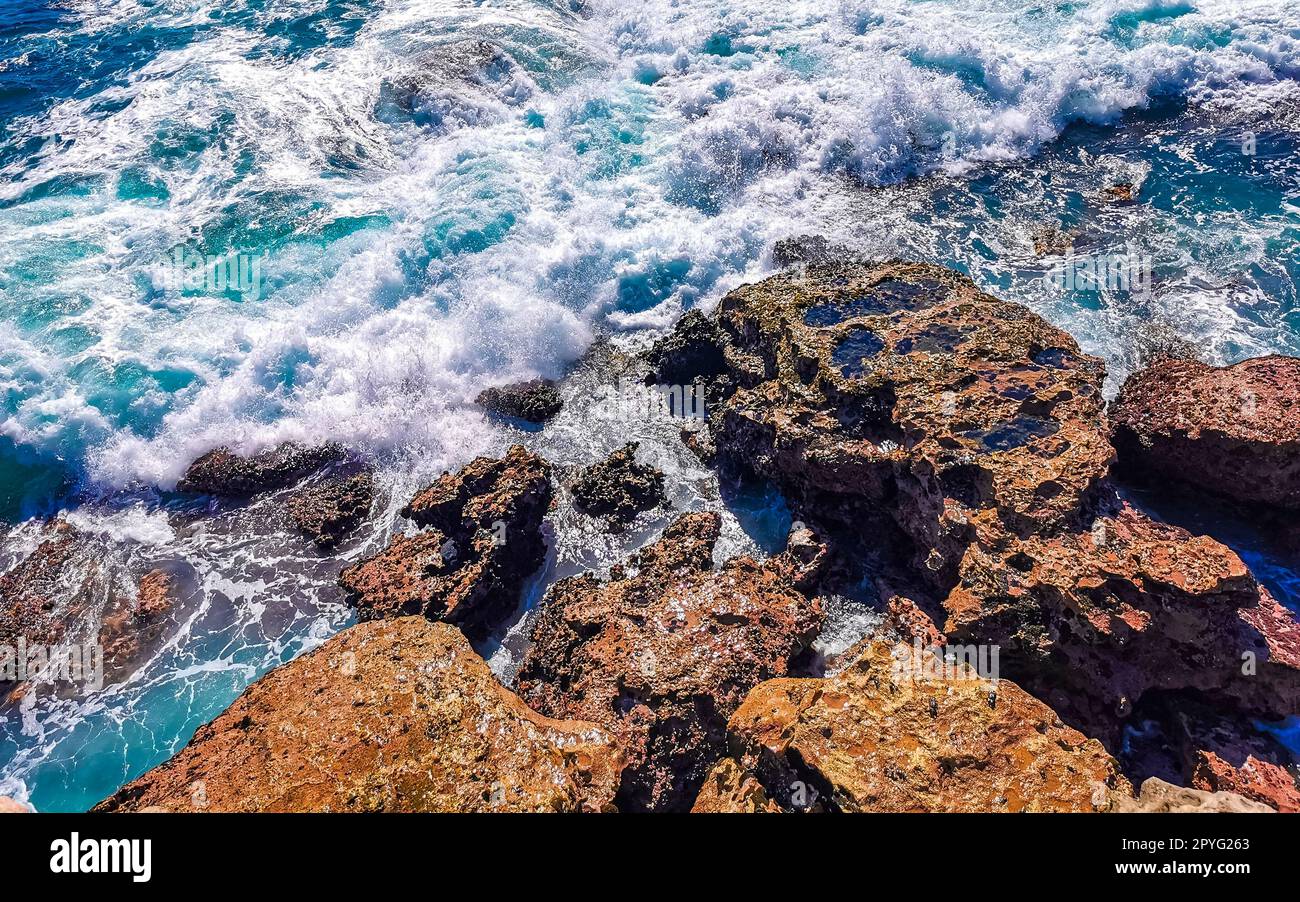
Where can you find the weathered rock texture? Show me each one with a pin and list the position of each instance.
(730, 790)
(44, 594)
(665, 650)
(966, 436)
(535, 401)
(1159, 797)
(223, 472)
(398, 715)
(878, 738)
(482, 540)
(329, 509)
(131, 628)
(618, 487)
(693, 349)
(1233, 431)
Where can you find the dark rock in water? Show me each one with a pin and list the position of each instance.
(1053, 241)
(691, 351)
(536, 400)
(807, 249)
(972, 446)
(398, 715)
(1120, 192)
(223, 472)
(618, 487)
(1233, 431)
(329, 509)
(665, 650)
(701, 444)
(130, 629)
(484, 540)
(882, 735)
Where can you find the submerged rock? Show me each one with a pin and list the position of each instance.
(967, 437)
(618, 487)
(49, 590)
(1159, 797)
(535, 401)
(482, 540)
(329, 509)
(397, 715)
(130, 629)
(665, 650)
(223, 472)
(878, 737)
(1233, 431)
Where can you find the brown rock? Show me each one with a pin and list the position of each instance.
(223, 472)
(395, 715)
(47, 591)
(730, 790)
(484, 540)
(665, 650)
(877, 738)
(535, 401)
(966, 436)
(1120, 192)
(1234, 431)
(618, 487)
(129, 629)
(1159, 797)
(327, 510)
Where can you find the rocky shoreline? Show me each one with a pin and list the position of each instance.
(950, 463)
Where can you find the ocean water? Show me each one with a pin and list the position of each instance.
(420, 199)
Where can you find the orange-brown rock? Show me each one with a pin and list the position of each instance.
(880, 736)
(45, 592)
(1233, 431)
(483, 540)
(132, 627)
(966, 437)
(730, 790)
(393, 715)
(665, 650)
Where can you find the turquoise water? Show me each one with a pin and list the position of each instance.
(438, 197)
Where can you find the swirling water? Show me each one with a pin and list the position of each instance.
(439, 195)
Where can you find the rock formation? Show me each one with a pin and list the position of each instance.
(535, 401)
(223, 472)
(618, 488)
(394, 715)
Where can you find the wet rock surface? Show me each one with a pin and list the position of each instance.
(878, 738)
(967, 437)
(618, 488)
(397, 715)
(534, 401)
(327, 510)
(223, 472)
(481, 540)
(130, 629)
(692, 350)
(665, 650)
(44, 594)
(1233, 431)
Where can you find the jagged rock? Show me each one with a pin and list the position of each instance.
(47, 591)
(9, 806)
(877, 737)
(1120, 192)
(394, 715)
(700, 444)
(129, 629)
(665, 650)
(729, 790)
(692, 350)
(536, 400)
(807, 249)
(1052, 241)
(618, 487)
(483, 540)
(1159, 797)
(223, 472)
(328, 510)
(1234, 431)
(967, 437)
